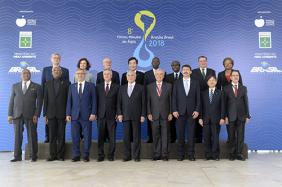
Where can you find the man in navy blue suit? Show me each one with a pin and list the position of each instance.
(81, 111)
(47, 76)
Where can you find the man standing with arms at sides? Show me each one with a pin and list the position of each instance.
(149, 78)
(171, 78)
(237, 115)
(131, 110)
(159, 113)
(81, 111)
(132, 66)
(107, 93)
(200, 74)
(54, 111)
(24, 109)
(47, 76)
(107, 65)
(211, 117)
(186, 107)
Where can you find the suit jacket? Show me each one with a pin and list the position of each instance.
(81, 107)
(28, 104)
(107, 104)
(222, 81)
(139, 78)
(133, 107)
(236, 107)
(197, 75)
(55, 104)
(170, 78)
(159, 107)
(213, 111)
(115, 77)
(149, 77)
(47, 75)
(182, 103)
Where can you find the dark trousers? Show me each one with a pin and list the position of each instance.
(237, 134)
(136, 134)
(198, 132)
(172, 130)
(76, 127)
(228, 133)
(211, 139)
(57, 137)
(31, 129)
(182, 121)
(149, 131)
(160, 130)
(106, 126)
(46, 132)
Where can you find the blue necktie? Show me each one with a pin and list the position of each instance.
(211, 96)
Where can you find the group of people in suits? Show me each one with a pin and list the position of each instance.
(185, 100)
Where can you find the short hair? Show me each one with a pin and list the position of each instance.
(156, 58)
(132, 58)
(56, 54)
(25, 69)
(202, 56)
(108, 71)
(235, 72)
(128, 72)
(175, 61)
(211, 76)
(57, 67)
(88, 66)
(79, 69)
(161, 70)
(228, 58)
(186, 66)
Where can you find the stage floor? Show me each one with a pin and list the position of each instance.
(259, 170)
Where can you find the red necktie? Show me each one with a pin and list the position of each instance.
(159, 89)
(235, 90)
(107, 89)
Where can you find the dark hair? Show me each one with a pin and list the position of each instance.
(211, 76)
(235, 71)
(175, 61)
(88, 66)
(228, 58)
(132, 58)
(187, 66)
(202, 57)
(156, 58)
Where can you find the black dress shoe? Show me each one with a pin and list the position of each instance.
(86, 159)
(51, 159)
(126, 159)
(231, 158)
(240, 157)
(33, 159)
(149, 141)
(75, 159)
(192, 158)
(100, 159)
(111, 159)
(46, 141)
(61, 159)
(180, 159)
(156, 158)
(165, 158)
(208, 158)
(137, 159)
(215, 158)
(15, 160)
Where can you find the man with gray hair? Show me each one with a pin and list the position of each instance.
(24, 109)
(107, 65)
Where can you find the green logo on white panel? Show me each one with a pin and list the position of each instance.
(25, 39)
(265, 40)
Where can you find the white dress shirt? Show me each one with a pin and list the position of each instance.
(27, 84)
(83, 83)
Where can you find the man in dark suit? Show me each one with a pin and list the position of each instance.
(200, 74)
(237, 115)
(149, 77)
(224, 79)
(211, 117)
(47, 76)
(81, 111)
(171, 78)
(132, 66)
(186, 107)
(24, 109)
(159, 113)
(131, 110)
(107, 93)
(54, 111)
(107, 65)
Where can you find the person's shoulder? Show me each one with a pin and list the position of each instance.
(140, 72)
(47, 68)
(148, 72)
(196, 69)
(35, 84)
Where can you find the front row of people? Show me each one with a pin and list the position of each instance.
(82, 103)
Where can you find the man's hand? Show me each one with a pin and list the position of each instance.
(222, 122)
(142, 119)
(226, 121)
(10, 119)
(68, 118)
(92, 117)
(35, 119)
(46, 120)
(120, 117)
(201, 122)
(169, 117)
(150, 117)
(175, 114)
(247, 120)
(195, 114)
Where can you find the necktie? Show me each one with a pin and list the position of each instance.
(80, 90)
(107, 89)
(203, 73)
(235, 90)
(176, 76)
(129, 91)
(24, 88)
(211, 96)
(159, 89)
(186, 86)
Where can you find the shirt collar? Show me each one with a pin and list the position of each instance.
(188, 79)
(131, 84)
(27, 82)
(83, 82)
